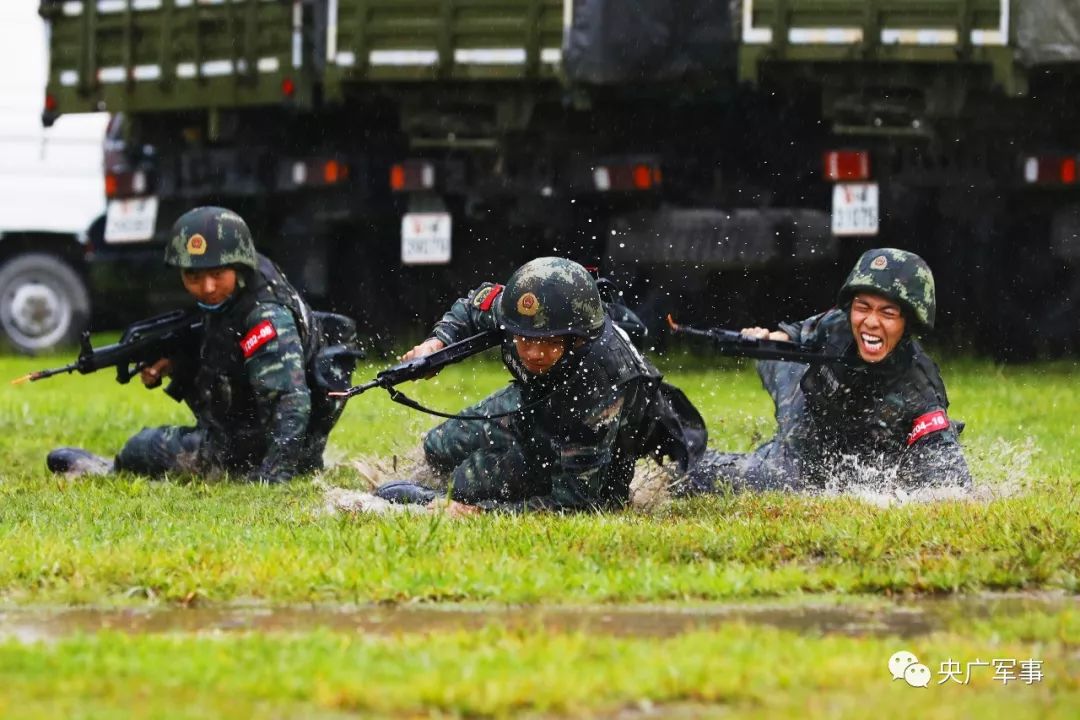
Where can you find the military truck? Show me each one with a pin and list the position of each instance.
(728, 159)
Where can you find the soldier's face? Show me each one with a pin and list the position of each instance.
(878, 325)
(539, 354)
(211, 286)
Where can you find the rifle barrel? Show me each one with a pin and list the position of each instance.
(42, 374)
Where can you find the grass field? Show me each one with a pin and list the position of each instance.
(128, 542)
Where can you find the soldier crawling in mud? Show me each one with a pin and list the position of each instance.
(245, 380)
(881, 417)
(583, 405)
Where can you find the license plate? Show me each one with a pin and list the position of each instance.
(130, 220)
(855, 209)
(425, 238)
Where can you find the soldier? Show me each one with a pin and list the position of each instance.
(881, 416)
(583, 405)
(255, 416)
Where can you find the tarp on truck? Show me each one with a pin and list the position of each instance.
(631, 41)
(1048, 31)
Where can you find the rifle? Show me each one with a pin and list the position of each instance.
(415, 369)
(170, 335)
(735, 344)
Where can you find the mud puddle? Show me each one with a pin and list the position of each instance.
(874, 616)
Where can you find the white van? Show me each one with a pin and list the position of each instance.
(51, 189)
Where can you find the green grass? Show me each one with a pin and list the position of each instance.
(126, 540)
(738, 669)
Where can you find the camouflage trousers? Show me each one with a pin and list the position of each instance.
(166, 449)
(174, 449)
(487, 460)
(770, 467)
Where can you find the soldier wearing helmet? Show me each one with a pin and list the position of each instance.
(591, 404)
(255, 416)
(881, 417)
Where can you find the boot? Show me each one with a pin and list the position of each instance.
(406, 492)
(74, 462)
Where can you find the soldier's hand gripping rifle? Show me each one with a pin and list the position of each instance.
(174, 335)
(415, 369)
(735, 344)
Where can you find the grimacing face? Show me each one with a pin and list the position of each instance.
(211, 286)
(538, 355)
(878, 325)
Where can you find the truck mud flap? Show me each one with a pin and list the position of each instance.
(721, 240)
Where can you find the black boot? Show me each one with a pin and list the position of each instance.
(74, 462)
(405, 492)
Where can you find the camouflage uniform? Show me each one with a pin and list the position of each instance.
(598, 409)
(839, 424)
(248, 389)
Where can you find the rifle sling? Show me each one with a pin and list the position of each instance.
(403, 399)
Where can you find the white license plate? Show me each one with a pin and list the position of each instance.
(855, 209)
(425, 238)
(130, 220)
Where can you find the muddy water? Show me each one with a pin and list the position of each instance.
(849, 617)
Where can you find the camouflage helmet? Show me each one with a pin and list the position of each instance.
(551, 296)
(209, 237)
(899, 275)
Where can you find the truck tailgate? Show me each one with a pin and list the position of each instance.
(415, 40)
(147, 55)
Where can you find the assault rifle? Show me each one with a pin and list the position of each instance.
(172, 335)
(735, 344)
(414, 369)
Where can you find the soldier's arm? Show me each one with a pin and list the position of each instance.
(810, 330)
(469, 315)
(274, 363)
(933, 455)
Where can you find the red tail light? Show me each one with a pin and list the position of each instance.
(1050, 170)
(288, 87)
(125, 184)
(841, 165)
(619, 177)
(50, 103)
(412, 175)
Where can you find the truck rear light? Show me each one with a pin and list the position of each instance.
(126, 184)
(412, 175)
(621, 178)
(842, 165)
(288, 87)
(1050, 170)
(316, 171)
(334, 172)
(50, 103)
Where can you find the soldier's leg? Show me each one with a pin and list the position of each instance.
(773, 466)
(449, 444)
(716, 472)
(160, 450)
(503, 474)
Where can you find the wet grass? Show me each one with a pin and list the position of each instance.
(125, 540)
(110, 539)
(737, 670)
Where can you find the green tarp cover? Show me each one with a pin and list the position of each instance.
(1047, 31)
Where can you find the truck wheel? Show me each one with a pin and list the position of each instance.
(44, 303)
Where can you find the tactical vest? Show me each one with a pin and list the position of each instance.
(222, 399)
(868, 409)
(656, 418)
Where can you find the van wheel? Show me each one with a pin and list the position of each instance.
(44, 303)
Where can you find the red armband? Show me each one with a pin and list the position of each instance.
(925, 424)
(486, 299)
(257, 336)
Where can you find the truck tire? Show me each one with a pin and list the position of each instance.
(44, 303)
